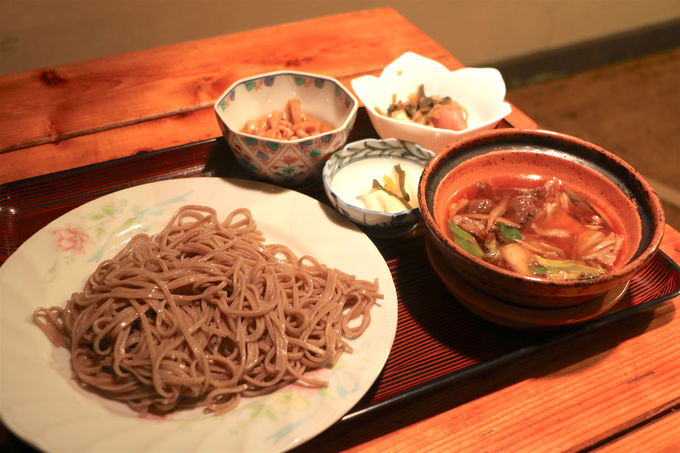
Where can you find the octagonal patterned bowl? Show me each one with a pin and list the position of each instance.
(285, 162)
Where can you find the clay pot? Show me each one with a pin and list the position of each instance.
(605, 180)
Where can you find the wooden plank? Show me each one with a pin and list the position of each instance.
(129, 140)
(89, 112)
(54, 104)
(519, 120)
(108, 144)
(567, 398)
(662, 435)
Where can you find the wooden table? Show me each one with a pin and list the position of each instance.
(614, 389)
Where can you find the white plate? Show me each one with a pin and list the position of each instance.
(42, 404)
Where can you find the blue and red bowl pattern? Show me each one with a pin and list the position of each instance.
(286, 163)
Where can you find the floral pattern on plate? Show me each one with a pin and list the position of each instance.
(42, 405)
(106, 222)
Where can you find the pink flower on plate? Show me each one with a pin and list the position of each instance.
(71, 239)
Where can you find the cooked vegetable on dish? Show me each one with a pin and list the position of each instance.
(291, 123)
(393, 194)
(435, 111)
(534, 227)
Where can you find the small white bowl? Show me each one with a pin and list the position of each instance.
(349, 172)
(285, 162)
(481, 91)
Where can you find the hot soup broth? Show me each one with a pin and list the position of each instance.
(535, 226)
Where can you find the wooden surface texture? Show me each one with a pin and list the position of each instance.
(614, 389)
(82, 113)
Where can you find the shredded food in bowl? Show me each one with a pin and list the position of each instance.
(291, 123)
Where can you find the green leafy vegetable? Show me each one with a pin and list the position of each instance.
(539, 270)
(401, 176)
(396, 189)
(378, 186)
(465, 240)
(510, 232)
(564, 269)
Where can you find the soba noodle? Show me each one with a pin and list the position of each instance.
(204, 313)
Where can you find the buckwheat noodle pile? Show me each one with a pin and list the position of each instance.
(204, 313)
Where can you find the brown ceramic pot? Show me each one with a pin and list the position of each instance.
(603, 178)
